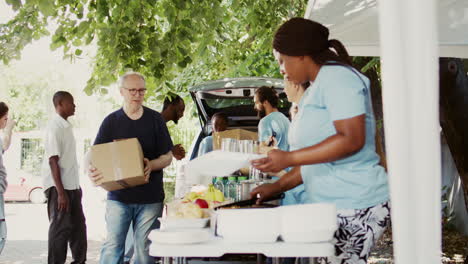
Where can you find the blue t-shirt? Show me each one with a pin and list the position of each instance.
(355, 182)
(152, 133)
(274, 123)
(206, 145)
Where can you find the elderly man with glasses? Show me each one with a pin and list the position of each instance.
(140, 205)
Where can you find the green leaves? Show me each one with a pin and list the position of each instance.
(27, 25)
(174, 43)
(47, 7)
(374, 62)
(15, 4)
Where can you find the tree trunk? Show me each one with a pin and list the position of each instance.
(454, 113)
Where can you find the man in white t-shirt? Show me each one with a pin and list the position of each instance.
(62, 187)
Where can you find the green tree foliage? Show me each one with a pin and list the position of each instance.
(175, 43)
(27, 102)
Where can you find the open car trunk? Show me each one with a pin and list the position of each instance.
(234, 97)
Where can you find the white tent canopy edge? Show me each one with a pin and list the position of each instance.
(356, 24)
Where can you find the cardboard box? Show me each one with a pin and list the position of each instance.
(239, 134)
(120, 162)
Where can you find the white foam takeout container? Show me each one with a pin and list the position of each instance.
(248, 225)
(306, 223)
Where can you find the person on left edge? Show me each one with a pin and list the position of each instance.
(140, 205)
(7, 130)
(62, 185)
(3, 180)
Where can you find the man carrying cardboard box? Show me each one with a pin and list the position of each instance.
(173, 110)
(62, 186)
(140, 205)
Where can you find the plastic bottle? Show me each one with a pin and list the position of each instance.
(232, 188)
(219, 185)
(239, 188)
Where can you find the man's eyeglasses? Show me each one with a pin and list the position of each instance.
(134, 91)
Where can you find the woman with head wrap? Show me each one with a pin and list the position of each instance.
(333, 137)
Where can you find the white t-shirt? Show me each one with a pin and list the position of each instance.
(60, 141)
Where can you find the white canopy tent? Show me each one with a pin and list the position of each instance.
(356, 24)
(409, 36)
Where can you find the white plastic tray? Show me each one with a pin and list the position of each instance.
(216, 163)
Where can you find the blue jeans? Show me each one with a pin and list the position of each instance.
(129, 241)
(119, 216)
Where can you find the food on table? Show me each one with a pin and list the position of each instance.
(201, 203)
(185, 210)
(211, 195)
(192, 196)
(249, 206)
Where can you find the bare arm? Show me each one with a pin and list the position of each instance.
(349, 138)
(56, 176)
(8, 133)
(291, 179)
(162, 162)
(288, 181)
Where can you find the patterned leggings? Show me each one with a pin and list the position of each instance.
(358, 231)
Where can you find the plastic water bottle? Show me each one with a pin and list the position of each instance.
(219, 185)
(232, 188)
(239, 188)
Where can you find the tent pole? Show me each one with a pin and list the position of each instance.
(408, 45)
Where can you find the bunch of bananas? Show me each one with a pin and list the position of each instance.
(211, 194)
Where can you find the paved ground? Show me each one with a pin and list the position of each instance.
(27, 226)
